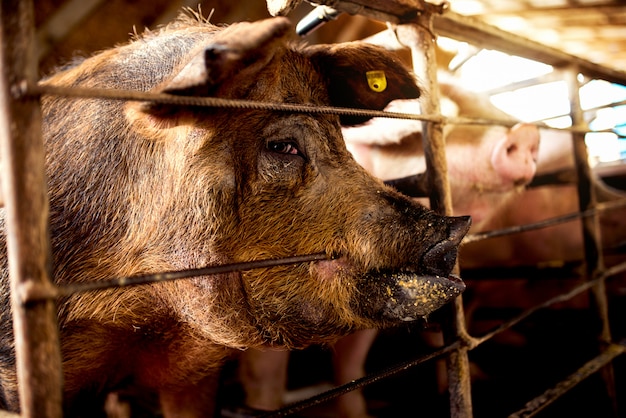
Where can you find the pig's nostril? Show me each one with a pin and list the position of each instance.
(511, 149)
(439, 260)
(459, 226)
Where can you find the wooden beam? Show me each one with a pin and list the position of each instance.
(483, 35)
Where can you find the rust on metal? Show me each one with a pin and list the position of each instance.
(419, 38)
(31, 293)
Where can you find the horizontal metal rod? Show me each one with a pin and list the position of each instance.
(416, 185)
(545, 223)
(563, 297)
(614, 270)
(171, 99)
(33, 294)
(479, 236)
(175, 100)
(539, 403)
(359, 383)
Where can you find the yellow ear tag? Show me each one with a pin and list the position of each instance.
(376, 80)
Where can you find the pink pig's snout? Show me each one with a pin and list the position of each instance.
(514, 157)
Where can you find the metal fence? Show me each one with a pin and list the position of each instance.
(25, 201)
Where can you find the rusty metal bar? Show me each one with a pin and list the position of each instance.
(31, 295)
(562, 297)
(586, 192)
(539, 403)
(36, 90)
(358, 383)
(36, 336)
(600, 207)
(590, 227)
(134, 95)
(418, 37)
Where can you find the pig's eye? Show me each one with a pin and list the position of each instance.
(285, 147)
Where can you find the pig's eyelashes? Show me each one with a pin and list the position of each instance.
(286, 147)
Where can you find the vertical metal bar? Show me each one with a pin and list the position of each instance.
(38, 355)
(421, 40)
(594, 262)
(422, 44)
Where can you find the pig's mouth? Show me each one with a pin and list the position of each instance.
(413, 295)
(414, 291)
(407, 294)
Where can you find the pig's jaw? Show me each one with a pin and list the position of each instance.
(395, 296)
(413, 296)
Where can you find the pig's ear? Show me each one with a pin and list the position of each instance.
(361, 75)
(233, 55)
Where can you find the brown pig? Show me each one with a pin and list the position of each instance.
(487, 166)
(138, 188)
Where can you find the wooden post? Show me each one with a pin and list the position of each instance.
(24, 187)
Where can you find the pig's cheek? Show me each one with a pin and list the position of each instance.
(329, 270)
(467, 172)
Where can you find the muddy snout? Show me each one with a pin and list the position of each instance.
(439, 260)
(408, 295)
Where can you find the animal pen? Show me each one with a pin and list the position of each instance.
(414, 25)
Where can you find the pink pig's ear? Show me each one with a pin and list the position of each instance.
(361, 75)
(234, 53)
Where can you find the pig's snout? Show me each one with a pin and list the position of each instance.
(514, 158)
(417, 295)
(415, 291)
(440, 259)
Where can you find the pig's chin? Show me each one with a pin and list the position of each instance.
(394, 296)
(408, 296)
(414, 296)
